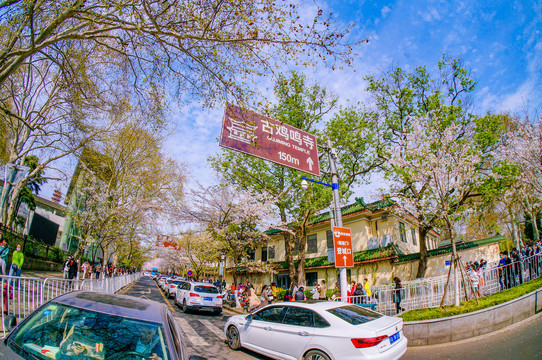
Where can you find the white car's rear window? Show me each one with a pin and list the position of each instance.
(206, 289)
(354, 315)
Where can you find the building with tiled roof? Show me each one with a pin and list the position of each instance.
(378, 233)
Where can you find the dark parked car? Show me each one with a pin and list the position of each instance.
(96, 326)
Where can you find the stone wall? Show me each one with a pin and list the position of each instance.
(439, 331)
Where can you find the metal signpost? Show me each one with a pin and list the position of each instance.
(257, 135)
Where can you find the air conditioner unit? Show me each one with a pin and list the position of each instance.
(373, 243)
(388, 239)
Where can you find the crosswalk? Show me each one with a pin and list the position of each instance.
(195, 336)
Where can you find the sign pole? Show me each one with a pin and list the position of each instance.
(338, 212)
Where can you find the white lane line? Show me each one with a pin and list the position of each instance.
(190, 333)
(212, 328)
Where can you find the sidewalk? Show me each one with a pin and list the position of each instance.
(41, 274)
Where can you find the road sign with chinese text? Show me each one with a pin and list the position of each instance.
(342, 240)
(257, 135)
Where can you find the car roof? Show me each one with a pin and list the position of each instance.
(314, 304)
(202, 283)
(113, 304)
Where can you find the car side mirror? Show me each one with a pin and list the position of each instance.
(10, 322)
(195, 357)
(249, 317)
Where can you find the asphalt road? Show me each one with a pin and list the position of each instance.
(204, 335)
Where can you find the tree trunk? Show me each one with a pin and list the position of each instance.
(289, 246)
(302, 249)
(422, 264)
(536, 235)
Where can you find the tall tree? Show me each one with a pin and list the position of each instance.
(209, 48)
(236, 220)
(401, 98)
(126, 186)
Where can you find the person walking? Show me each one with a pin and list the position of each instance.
(84, 268)
(65, 268)
(72, 268)
(367, 288)
(358, 297)
(17, 261)
(397, 294)
(253, 300)
(322, 291)
(4, 251)
(300, 295)
(315, 293)
(264, 299)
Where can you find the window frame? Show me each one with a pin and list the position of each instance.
(312, 238)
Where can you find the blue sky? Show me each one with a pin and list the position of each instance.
(499, 41)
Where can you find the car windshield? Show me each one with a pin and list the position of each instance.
(354, 315)
(64, 332)
(206, 289)
(177, 282)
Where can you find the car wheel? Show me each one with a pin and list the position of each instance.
(316, 355)
(233, 338)
(217, 311)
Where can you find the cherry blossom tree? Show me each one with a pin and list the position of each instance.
(235, 218)
(524, 151)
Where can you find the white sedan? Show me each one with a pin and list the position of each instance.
(317, 330)
(199, 296)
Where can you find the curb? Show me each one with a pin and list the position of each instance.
(469, 325)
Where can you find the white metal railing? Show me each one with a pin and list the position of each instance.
(428, 293)
(20, 296)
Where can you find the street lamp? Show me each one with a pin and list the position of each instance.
(336, 207)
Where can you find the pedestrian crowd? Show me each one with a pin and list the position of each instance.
(92, 271)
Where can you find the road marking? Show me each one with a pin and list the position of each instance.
(212, 328)
(164, 296)
(190, 333)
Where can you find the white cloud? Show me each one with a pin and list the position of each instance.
(385, 10)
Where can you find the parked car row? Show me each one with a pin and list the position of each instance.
(191, 295)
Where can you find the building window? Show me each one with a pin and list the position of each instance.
(251, 254)
(402, 232)
(271, 252)
(312, 244)
(264, 253)
(329, 239)
(311, 278)
(414, 241)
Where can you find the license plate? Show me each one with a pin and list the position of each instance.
(394, 337)
(208, 298)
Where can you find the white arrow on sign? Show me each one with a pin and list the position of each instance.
(310, 162)
(344, 257)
